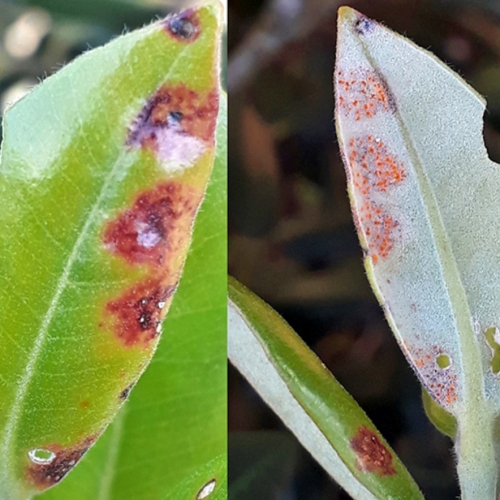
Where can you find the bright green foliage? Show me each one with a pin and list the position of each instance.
(103, 168)
(322, 415)
(425, 200)
(171, 435)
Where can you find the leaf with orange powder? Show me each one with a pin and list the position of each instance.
(425, 201)
(103, 166)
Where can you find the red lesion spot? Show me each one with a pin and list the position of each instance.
(138, 312)
(45, 475)
(184, 27)
(373, 456)
(363, 93)
(155, 226)
(152, 234)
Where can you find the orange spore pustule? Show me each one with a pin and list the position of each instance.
(374, 171)
(372, 455)
(363, 93)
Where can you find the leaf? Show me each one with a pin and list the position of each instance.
(316, 408)
(425, 201)
(172, 432)
(103, 168)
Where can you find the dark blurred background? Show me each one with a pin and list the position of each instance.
(292, 240)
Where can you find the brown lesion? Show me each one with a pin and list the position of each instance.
(184, 27)
(179, 108)
(45, 475)
(137, 313)
(152, 234)
(156, 226)
(373, 455)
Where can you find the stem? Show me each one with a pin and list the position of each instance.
(477, 466)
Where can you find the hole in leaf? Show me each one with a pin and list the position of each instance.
(40, 456)
(493, 338)
(443, 361)
(207, 490)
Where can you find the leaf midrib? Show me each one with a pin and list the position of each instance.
(15, 413)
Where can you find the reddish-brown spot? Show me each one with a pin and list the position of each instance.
(363, 93)
(184, 26)
(373, 456)
(179, 109)
(45, 475)
(152, 234)
(137, 313)
(84, 404)
(156, 226)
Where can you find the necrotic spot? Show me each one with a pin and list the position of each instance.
(44, 474)
(177, 124)
(363, 25)
(206, 490)
(184, 26)
(155, 226)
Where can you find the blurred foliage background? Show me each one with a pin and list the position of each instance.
(37, 37)
(292, 240)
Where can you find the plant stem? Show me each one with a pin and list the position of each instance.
(477, 465)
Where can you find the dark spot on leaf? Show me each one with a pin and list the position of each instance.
(184, 26)
(124, 394)
(373, 456)
(156, 227)
(136, 315)
(45, 475)
(84, 404)
(177, 124)
(363, 25)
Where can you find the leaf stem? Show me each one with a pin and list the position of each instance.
(477, 465)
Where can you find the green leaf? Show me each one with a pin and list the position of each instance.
(103, 168)
(425, 200)
(172, 432)
(316, 408)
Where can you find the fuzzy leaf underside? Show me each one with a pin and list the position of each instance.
(103, 168)
(424, 197)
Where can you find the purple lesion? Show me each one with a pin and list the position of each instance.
(184, 26)
(363, 25)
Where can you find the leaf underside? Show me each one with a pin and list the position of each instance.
(424, 197)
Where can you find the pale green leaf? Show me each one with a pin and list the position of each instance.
(425, 201)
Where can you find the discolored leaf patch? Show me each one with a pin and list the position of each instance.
(184, 26)
(177, 124)
(373, 456)
(47, 473)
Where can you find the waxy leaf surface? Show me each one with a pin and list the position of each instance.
(425, 201)
(170, 438)
(103, 168)
(316, 408)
